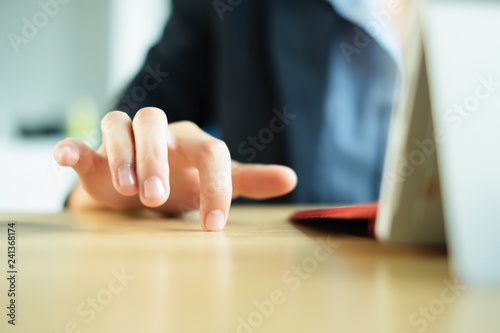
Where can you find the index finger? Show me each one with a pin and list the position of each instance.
(212, 159)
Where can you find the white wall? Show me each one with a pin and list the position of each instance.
(65, 58)
(85, 48)
(88, 47)
(135, 26)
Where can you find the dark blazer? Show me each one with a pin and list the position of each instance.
(257, 69)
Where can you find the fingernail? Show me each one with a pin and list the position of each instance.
(126, 176)
(153, 188)
(215, 221)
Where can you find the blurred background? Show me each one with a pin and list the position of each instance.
(63, 63)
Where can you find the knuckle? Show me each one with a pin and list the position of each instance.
(153, 154)
(148, 114)
(112, 118)
(214, 148)
(106, 122)
(119, 154)
(187, 125)
(157, 153)
(221, 184)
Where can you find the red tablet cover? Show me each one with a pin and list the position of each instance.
(342, 216)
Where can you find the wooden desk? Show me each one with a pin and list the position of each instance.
(111, 272)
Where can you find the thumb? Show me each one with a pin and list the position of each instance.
(259, 181)
(93, 173)
(74, 153)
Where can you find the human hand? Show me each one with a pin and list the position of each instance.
(169, 167)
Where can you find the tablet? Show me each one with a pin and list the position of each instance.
(409, 209)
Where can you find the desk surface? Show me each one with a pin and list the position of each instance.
(114, 272)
